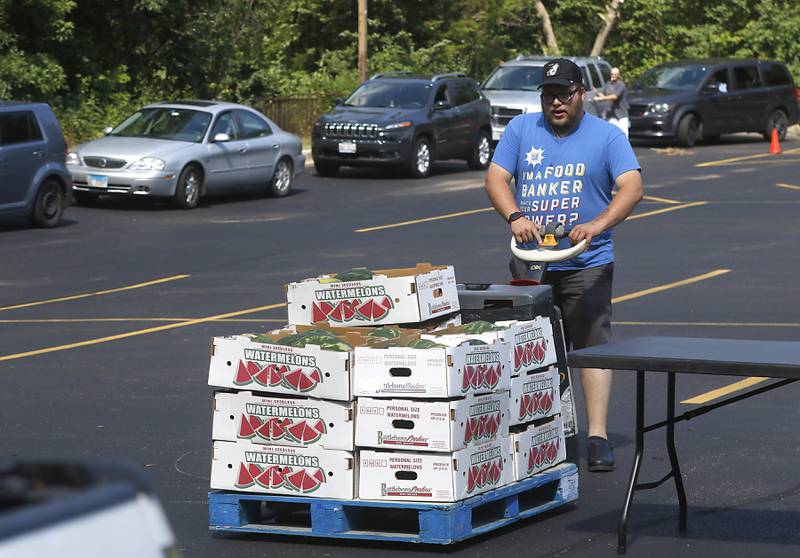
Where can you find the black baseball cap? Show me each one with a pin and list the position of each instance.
(561, 72)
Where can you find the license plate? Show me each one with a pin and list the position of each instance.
(347, 147)
(97, 181)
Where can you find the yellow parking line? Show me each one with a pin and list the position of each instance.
(662, 200)
(681, 283)
(426, 219)
(717, 393)
(96, 293)
(789, 186)
(744, 158)
(104, 320)
(137, 332)
(665, 210)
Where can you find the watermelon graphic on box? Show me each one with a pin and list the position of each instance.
(535, 396)
(364, 298)
(435, 477)
(538, 448)
(309, 471)
(440, 426)
(283, 421)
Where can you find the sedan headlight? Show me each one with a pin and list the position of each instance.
(659, 108)
(72, 159)
(396, 125)
(148, 164)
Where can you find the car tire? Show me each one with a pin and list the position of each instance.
(481, 153)
(777, 119)
(326, 169)
(189, 187)
(281, 182)
(419, 165)
(85, 198)
(688, 130)
(48, 207)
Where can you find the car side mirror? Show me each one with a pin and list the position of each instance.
(221, 138)
(441, 105)
(107, 130)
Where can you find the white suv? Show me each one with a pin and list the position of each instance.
(513, 87)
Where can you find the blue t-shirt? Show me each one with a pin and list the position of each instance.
(567, 180)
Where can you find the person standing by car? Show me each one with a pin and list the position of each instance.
(615, 91)
(565, 164)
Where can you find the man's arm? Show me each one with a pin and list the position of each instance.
(498, 188)
(630, 193)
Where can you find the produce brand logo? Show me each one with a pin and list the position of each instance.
(544, 450)
(537, 398)
(270, 369)
(292, 473)
(481, 370)
(486, 469)
(290, 426)
(395, 440)
(530, 348)
(440, 307)
(483, 422)
(403, 491)
(483, 358)
(343, 305)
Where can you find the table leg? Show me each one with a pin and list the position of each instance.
(673, 455)
(622, 532)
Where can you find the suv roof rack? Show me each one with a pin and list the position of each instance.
(448, 75)
(393, 73)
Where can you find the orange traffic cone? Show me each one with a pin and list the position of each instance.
(775, 145)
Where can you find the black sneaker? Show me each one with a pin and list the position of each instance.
(600, 455)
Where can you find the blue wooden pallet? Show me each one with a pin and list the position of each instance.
(420, 522)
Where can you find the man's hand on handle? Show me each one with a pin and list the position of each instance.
(525, 230)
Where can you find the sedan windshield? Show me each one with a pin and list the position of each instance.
(521, 78)
(677, 78)
(165, 123)
(388, 94)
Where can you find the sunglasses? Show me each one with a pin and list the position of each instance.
(563, 98)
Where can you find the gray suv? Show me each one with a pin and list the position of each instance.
(34, 182)
(513, 87)
(691, 100)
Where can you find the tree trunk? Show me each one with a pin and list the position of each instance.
(547, 28)
(608, 23)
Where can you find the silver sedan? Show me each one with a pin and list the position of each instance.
(186, 150)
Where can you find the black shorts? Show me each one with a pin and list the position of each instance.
(584, 297)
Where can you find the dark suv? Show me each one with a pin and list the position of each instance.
(701, 99)
(33, 179)
(405, 120)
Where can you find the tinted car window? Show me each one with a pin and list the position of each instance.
(226, 124)
(525, 78)
(775, 74)
(18, 127)
(462, 93)
(586, 81)
(605, 69)
(674, 77)
(747, 77)
(252, 125)
(595, 76)
(720, 80)
(441, 94)
(388, 94)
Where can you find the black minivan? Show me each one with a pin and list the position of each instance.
(691, 100)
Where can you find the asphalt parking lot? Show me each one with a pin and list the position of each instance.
(106, 322)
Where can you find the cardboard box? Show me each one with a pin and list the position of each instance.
(443, 426)
(310, 471)
(530, 341)
(240, 363)
(538, 448)
(392, 296)
(431, 373)
(283, 421)
(435, 477)
(535, 395)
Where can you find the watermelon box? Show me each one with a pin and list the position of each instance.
(535, 395)
(238, 362)
(443, 426)
(538, 447)
(283, 421)
(392, 296)
(531, 341)
(435, 477)
(391, 369)
(310, 471)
